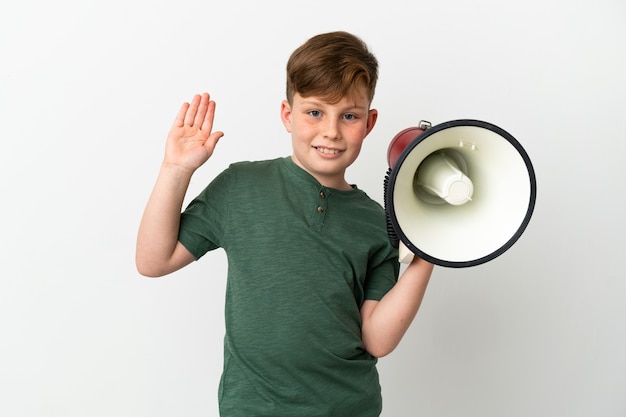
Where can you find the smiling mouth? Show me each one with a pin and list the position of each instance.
(327, 151)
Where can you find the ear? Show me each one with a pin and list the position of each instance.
(285, 115)
(372, 116)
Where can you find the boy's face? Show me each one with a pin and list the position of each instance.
(327, 138)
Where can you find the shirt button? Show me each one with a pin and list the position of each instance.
(320, 209)
(322, 195)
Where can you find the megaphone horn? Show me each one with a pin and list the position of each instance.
(457, 194)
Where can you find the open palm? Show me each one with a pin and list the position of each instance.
(190, 142)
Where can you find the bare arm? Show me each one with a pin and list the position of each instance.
(385, 322)
(190, 144)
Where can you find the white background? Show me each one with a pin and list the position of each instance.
(88, 90)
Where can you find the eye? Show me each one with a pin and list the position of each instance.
(315, 113)
(349, 116)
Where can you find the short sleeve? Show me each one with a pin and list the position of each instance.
(382, 274)
(204, 221)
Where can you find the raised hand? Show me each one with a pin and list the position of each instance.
(190, 142)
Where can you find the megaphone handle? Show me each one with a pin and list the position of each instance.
(405, 255)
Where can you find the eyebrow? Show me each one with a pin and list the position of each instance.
(314, 102)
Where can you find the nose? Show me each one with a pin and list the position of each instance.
(331, 129)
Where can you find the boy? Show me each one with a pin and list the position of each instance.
(312, 299)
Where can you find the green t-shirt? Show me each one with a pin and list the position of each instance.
(302, 258)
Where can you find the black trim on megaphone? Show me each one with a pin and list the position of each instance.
(391, 231)
(396, 235)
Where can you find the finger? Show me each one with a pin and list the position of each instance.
(179, 121)
(192, 110)
(207, 122)
(202, 110)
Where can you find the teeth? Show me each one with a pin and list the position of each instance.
(328, 151)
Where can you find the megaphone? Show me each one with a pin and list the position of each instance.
(457, 194)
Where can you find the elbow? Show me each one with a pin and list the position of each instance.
(379, 351)
(379, 348)
(147, 269)
(147, 272)
(154, 264)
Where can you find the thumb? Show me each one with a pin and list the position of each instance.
(212, 141)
